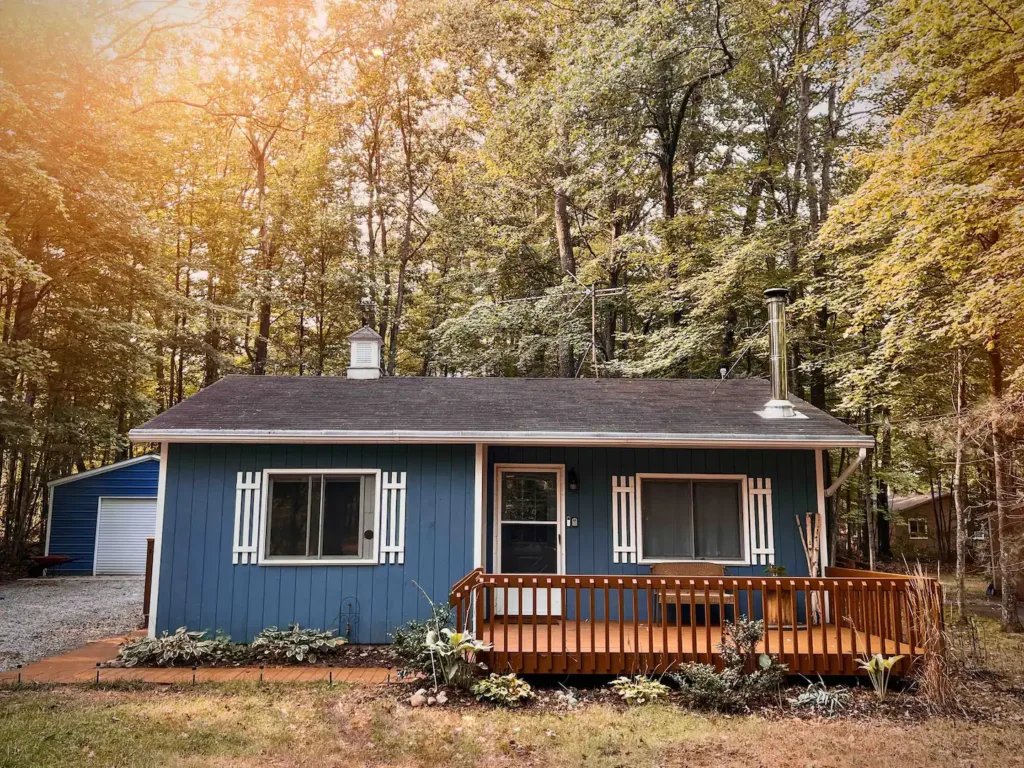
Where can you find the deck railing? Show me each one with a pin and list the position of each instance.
(632, 624)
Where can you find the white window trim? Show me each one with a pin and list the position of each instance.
(924, 523)
(744, 523)
(265, 510)
(559, 470)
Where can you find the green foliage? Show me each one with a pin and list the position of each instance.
(182, 649)
(879, 669)
(409, 642)
(822, 699)
(453, 656)
(185, 648)
(503, 690)
(639, 689)
(295, 644)
(749, 678)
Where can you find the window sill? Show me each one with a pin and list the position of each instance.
(306, 561)
(657, 561)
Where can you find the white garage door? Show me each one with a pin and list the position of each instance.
(121, 532)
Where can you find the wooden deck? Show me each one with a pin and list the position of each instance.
(611, 647)
(653, 624)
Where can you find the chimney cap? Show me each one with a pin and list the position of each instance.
(777, 293)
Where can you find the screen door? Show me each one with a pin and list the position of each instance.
(529, 540)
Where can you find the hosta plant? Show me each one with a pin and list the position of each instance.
(503, 690)
(453, 656)
(879, 669)
(639, 689)
(182, 649)
(295, 644)
(409, 642)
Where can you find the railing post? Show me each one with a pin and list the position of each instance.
(149, 581)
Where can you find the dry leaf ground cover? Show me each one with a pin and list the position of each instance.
(309, 726)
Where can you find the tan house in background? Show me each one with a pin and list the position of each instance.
(917, 532)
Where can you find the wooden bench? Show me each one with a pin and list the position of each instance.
(701, 595)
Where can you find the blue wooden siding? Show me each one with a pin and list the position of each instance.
(76, 506)
(589, 546)
(200, 587)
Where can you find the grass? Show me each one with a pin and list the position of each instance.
(996, 650)
(246, 724)
(251, 725)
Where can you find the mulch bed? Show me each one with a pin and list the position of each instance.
(988, 700)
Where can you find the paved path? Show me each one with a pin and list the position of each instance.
(80, 666)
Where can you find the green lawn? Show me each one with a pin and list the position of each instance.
(313, 726)
(310, 726)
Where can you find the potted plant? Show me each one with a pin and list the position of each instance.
(778, 600)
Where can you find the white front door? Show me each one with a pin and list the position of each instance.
(529, 505)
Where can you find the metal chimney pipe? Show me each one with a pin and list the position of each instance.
(779, 406)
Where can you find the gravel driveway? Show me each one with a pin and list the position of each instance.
(42, 617)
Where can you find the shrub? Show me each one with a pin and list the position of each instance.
(822, 699)
(503, 690)
(734, 688)
(183, 648)
(704, 687)
(295, 644)
(639, 689)
(409, 643)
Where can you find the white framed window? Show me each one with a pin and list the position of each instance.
(918, 527)
(319, 517)
(692, 517)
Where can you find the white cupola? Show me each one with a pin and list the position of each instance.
(364, 357)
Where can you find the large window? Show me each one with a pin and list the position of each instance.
(691, 519)
(314, 517)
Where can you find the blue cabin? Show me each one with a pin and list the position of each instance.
(101, 518)
(342, 502)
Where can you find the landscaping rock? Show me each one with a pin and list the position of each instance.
(431, 701)
(417, 700)
(442, 698)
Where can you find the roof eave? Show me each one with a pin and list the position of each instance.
(101, 470)
(500, 438)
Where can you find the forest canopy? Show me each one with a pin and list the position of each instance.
(194, 188)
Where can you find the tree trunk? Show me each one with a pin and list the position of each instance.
(1008, 544)
(567, 261)
(884, 543)
(958, 484)
(265, 279)
(869, 507)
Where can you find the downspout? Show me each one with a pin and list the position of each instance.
(850, 469)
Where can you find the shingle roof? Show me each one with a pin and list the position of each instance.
(398, 409)
(365, 334)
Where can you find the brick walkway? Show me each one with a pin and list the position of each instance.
(79, 666)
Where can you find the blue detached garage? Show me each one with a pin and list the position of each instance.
(102, 518)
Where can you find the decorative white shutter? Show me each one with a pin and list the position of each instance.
(247, 518)
(761, 535)
(391, 526)
(624, 523)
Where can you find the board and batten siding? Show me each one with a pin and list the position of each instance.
(200, 588)
(589, 547)
(76, 506)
